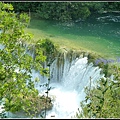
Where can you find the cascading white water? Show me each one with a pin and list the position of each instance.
(68, 80)
(68, 91)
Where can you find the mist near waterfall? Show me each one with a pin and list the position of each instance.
(67, 85)
(69, 75)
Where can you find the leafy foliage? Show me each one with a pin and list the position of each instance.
(65, 11)
(16, 62)
(103, 101)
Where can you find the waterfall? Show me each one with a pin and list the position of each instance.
(69, 75)
(69, 91)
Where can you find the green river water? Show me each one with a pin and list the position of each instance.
(100, 33)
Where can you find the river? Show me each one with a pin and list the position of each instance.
(100, 33)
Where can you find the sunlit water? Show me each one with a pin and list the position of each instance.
(100, 33)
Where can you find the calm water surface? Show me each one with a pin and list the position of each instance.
(100, 33)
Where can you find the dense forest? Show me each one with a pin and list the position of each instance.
(16, 88)
(65, 11)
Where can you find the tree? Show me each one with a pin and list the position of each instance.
(17, 89)
(65, 11)
(103, 100)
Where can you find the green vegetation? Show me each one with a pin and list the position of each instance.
(65, 11)
(103, 100)
(17, 89)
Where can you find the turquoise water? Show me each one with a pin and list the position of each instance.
(100, 33)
